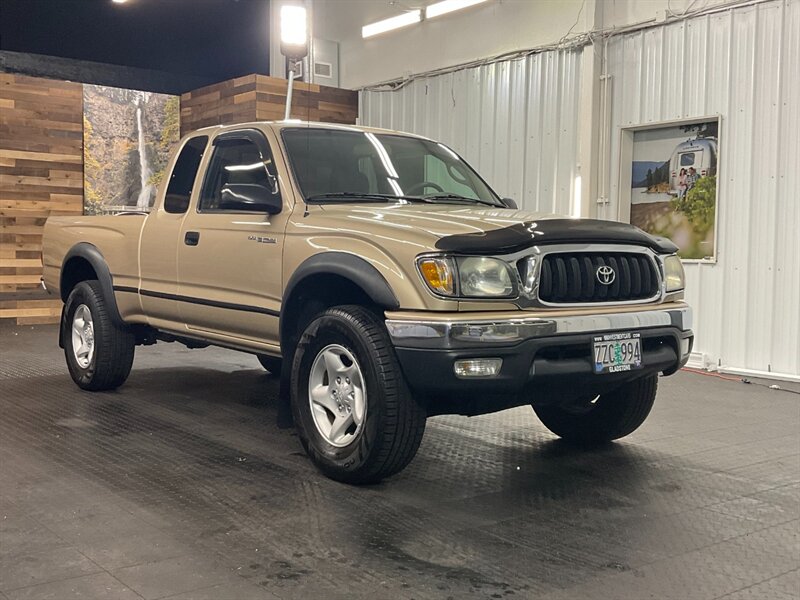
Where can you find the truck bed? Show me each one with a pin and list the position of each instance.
(115, 236)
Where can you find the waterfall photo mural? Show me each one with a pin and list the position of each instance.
(127, 139)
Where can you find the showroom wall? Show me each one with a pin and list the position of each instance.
(740, 63)
(434, 44)
(41, 174)
(743, 65)
(261, 98)
(488, 29)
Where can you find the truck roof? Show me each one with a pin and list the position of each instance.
(279, 125)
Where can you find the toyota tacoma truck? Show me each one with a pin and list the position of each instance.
(383, 280)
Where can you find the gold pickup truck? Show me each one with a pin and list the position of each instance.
(385, 282)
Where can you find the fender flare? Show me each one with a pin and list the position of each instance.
(351, 267)
(92, 255)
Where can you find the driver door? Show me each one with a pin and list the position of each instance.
(230, 261)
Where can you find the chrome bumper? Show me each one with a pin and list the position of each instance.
(465, 333)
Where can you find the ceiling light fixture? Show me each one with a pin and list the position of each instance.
(447, 6)
(294, 31)
(294, 44)
(119, 1)
(407, 18)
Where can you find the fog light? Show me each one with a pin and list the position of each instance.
(477, 367)
(685, 346)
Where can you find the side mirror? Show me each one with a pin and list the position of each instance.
(509, 203)
(251, 197)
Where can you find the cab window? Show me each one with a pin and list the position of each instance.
(181, 182)
(236, 162)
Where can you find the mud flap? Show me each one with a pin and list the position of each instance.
(62, 326)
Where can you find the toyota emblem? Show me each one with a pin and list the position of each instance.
(605, 275)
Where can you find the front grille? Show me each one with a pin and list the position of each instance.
(572, 277)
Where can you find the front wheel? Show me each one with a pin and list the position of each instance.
(604, 418)
(99, 352)
(354, 413)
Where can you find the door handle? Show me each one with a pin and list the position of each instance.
(192, 238)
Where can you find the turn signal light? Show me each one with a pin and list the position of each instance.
(438, 274)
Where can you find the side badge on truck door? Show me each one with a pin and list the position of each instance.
(261, 239)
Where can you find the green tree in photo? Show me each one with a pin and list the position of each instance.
(171, 132)
(699, 205)
(92, 202)
(169, 136)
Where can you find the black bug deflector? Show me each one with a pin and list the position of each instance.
(552, 231)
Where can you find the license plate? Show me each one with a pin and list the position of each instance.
(617, 352)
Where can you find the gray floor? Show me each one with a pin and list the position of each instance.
(180, 485)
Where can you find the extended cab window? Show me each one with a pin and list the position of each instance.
(236, 165)
(181, 181)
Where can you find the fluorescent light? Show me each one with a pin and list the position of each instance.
(119, 1)
(407, 18)
(447, 6)
(576, 199)
(293, 25)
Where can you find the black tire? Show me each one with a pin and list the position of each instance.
(272, 364)
(394, 423)
(114, 346)
(614, 415)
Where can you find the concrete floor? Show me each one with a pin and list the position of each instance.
(180, 485)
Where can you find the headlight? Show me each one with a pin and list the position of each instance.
(674, 276)
(468, 276)
(482, 277)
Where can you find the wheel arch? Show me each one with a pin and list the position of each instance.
(83, 262)
(342, 278)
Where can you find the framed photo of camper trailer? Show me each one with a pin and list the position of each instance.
(668, 183)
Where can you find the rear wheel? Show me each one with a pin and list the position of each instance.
(604, 418)
(99, 352)
(272, 364)
(354, 413)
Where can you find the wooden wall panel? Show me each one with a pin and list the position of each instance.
(41, 174)
(262, 98)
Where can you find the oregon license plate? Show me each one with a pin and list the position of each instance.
(616, 352)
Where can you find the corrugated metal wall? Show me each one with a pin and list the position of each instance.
(744, 65)
(515, 122)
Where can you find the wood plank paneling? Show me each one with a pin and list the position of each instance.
(41, 174)
(262, 98)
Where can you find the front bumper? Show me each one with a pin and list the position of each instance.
(545, 358)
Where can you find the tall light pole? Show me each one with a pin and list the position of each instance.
(294, 43)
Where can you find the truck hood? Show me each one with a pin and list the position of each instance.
(477, 230)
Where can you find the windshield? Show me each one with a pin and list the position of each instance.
(355, 164)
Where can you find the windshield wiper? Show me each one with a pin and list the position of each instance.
(434, 197)
(375, 197)
(348, 196)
